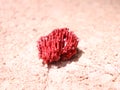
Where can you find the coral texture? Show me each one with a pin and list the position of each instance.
(60, 44)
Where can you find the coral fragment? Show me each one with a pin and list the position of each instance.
(60, 44)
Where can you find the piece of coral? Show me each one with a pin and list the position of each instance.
(60, 44)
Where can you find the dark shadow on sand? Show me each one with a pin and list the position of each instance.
(60, 64)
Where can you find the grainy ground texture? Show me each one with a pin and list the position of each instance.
(95, 22)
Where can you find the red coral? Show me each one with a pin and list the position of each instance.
(60, 44)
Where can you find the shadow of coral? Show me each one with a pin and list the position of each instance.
(60, 63)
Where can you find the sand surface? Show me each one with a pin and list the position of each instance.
(95, 22)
